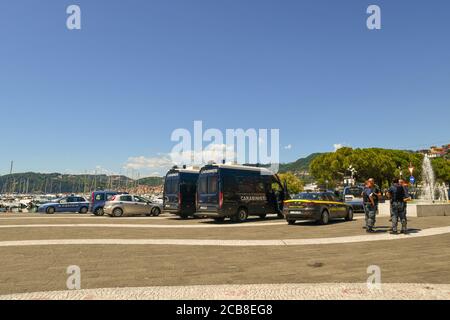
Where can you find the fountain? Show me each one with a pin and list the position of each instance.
(431, 192)
(433, 197)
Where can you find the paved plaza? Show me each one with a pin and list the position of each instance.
(169, 258)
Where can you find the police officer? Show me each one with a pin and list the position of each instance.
(398, 196)
(407, 198)
(377, 193)
(369, 206)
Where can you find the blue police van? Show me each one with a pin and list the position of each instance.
(236, 191)
(67, 204)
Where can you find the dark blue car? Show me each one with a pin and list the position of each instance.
(98, 199)
(66, 204)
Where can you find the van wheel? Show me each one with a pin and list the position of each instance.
(349, 216)
(117, 212)
(219, 219)
(325, 218)
(99, 212)
(83, 210)
(262, 216)
(280, 215)
(184, 216)
(50, 210)
(240, 216)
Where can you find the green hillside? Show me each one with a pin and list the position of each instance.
(299, 166)
(32, 182)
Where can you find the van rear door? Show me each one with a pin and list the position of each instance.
(208, 191)
(171, 191)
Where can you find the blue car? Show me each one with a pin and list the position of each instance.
(98, 200)
(66, 204)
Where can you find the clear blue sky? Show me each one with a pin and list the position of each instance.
(74, 100)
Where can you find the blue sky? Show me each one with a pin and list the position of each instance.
(72, 101)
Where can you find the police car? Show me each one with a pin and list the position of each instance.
(318, 206)
(66, 204)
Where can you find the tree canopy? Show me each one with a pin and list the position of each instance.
(381, 164)
(294, 184)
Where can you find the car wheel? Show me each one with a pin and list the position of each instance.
(325, 217)
(291, 222)
(99, 212)
(262, 216)
(83, 210)
(241, 215)
(117, 212)
(50, 210)
(156, 211)
(349, 216)
(184, 216)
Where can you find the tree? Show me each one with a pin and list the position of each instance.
(294, 184)
(380, 164)
(441, 167)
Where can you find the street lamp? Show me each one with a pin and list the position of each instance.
(411, 168)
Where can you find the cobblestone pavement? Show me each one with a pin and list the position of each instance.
(323, 291)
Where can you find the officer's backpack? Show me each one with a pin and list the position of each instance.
(399, 194)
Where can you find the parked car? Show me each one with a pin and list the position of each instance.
(98, 200)
(66, 204)
(127, 204)
(353, 197)
(318, 206)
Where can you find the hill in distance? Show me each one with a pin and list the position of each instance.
(32, 182)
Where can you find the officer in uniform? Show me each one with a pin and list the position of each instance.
(377, 193)
(398, 196)
(369, 206)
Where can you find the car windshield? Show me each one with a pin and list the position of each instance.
(356, 192)
(141, 199)
(308, 196)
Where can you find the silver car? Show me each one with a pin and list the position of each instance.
(127, 204)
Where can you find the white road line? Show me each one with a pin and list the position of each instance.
(288, 291)
(123, 225)
(236, 243)
(37, 216)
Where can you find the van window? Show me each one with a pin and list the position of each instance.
(212, 184)
(171, 186)
(208, 184)
(229, 183)
(260, 187)
(246, 184)
(203, 185)
(99, 197)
